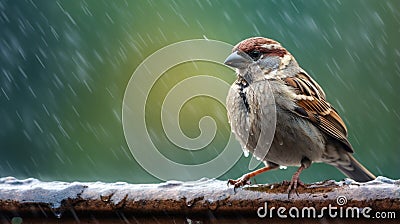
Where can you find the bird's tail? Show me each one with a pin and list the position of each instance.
(356, 171)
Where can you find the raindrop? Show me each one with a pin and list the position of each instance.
(245, 152)
(58, 214)
(38, 126)
(5, 94)
(189, 221)
(106, 198)
(32, 92)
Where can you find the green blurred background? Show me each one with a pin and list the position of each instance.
(64, 67)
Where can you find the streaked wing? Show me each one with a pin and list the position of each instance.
(313, 106)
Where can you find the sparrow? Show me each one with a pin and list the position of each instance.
(307, 128)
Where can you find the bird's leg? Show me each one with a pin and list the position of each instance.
(244, 180)
(305, 163)
(296, 180)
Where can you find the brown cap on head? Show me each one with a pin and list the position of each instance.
(259, 44)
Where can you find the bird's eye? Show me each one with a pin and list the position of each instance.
(255, 54)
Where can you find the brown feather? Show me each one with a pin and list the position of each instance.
(318, 110)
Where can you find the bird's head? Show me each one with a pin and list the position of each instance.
(258, 58)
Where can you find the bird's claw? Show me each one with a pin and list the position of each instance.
(294, 183)
(239, 182)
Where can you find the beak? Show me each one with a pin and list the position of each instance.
(238, 59)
